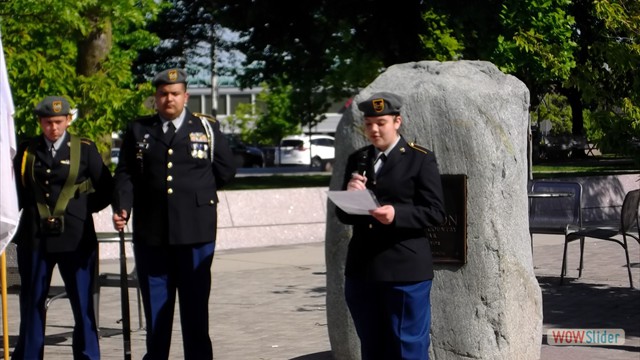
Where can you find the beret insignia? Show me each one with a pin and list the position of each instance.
(57, 106)
(378, 105)
(173, 75)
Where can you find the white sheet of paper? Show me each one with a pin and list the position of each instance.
(354, 202)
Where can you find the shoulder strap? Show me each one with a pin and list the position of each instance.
(28, 159)
(69, 188)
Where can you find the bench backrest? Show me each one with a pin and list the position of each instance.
(551, 215)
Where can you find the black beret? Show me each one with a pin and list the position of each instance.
(52, 106)
(170, 76)
(381, 103)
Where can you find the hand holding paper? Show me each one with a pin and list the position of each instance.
(354, 202)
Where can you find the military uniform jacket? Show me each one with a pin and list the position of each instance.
(410, 181)
(172, 185)
(51, 174)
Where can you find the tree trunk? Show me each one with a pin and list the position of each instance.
(93, 49)
(92, 52)
(575, 101)
(577, 119)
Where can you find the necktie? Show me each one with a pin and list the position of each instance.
(171, 130)
(52, 151)
(377, 165)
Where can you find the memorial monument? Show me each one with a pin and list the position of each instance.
(475, 119)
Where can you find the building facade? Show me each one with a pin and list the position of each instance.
(229, 97)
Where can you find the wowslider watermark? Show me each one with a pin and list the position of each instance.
(585, 337)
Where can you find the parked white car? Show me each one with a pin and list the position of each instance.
(315, 150)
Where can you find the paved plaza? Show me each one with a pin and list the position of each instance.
(269, 303)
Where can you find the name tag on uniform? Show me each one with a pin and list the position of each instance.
(65, 162)
(142, 145)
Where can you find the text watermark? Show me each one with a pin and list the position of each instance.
(585, 337)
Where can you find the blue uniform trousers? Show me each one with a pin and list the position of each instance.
(161, 271)
(77, 269)
(392, 319)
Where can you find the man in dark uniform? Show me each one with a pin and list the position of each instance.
(389, 266)
(62, 180)
(171, 165)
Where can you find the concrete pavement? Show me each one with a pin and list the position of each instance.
(269, 303)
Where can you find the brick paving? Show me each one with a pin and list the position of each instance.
(269, 303)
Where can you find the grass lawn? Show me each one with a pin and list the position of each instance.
(585, 167)
(573, 168)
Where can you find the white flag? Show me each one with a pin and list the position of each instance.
(8, 197)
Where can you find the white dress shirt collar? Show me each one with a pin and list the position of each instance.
(388, 151)
(57, 143)
(177, 122)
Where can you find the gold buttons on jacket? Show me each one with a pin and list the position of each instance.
(211, 202)
(169, 166)
(47, 195)
(48, 171)
(370, 226)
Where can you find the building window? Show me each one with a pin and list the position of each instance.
(222, 105)
(237, 100)
(208, 106)
(195, 103)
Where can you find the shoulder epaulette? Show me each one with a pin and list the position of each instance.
(205, 116)
(418, 147)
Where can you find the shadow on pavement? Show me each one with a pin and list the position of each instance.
(589, 305)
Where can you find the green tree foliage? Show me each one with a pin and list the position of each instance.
(325, 50)
(187, 31)
(277, 120)
(82, 49)
(586, 51)
(439, 41)
(535, 43)
(608, 67)
(556, 109)
(241, 121)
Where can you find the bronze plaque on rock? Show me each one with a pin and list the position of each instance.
(449, 240)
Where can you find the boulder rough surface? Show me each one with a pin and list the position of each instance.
(475, 119)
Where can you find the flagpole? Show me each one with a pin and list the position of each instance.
(5, 320)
